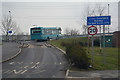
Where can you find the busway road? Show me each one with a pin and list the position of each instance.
(38, 60)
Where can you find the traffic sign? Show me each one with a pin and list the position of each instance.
(10, 32)
(92, 30)
(99, 20)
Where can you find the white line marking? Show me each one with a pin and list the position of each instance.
(7, 71)
(16, 72)
(19, 62)
(60, 63)
(31, 63)
(12, 63)
(25, 66)
(53, 76)
(43, 71)
(38, 63)
(23, 72)
(33, 66)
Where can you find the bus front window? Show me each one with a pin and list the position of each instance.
(36, 30)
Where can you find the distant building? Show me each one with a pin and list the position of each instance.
(116, 39)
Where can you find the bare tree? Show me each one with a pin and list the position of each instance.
(74, 32)
(88, 12)
(67, 31)
(8, 24)
(98, 10)
(71, 32)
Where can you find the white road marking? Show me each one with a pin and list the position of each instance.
(53, 76)
(53, 47)
(7, 71)
(38, 63)
(33, 66)
(31, 63)
(43, 71)
(25, 66)
(17, 72)
(43, 46)
(55, 63)
(60, 63)
(23, 72)
(19, 62)
(31, 46)
(12, 63)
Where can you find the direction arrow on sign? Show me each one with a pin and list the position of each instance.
(92, 30)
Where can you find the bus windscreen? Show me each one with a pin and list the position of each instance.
(36, 30)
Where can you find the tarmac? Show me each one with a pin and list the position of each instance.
(10, 50)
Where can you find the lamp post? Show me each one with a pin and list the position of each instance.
(108, 15)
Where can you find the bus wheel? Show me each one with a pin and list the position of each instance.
(48, 38)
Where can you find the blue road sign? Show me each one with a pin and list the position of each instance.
(10, 32)
(99, 20)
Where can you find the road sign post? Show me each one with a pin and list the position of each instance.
(92, 30)
(100, 20)
(92, 49)
(104, 42)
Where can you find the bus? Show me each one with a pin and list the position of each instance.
(45, 33)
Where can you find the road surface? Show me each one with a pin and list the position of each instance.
(38, 60)
(9, 49)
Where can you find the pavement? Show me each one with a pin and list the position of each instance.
(94, 74)
(9, 49)
(38, 60)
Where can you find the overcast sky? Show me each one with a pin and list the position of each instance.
(62, 14)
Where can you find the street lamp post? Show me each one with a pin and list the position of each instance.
(108, 15)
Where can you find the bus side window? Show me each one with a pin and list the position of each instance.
(52, 31)
(43, 31)
(59, 31)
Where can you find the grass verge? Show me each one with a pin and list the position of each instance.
(111, 55)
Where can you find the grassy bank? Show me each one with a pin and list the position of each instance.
(111, 54)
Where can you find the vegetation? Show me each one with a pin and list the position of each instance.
(77, 56)
(111, 54)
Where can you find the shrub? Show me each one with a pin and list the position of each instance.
(78, 56)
